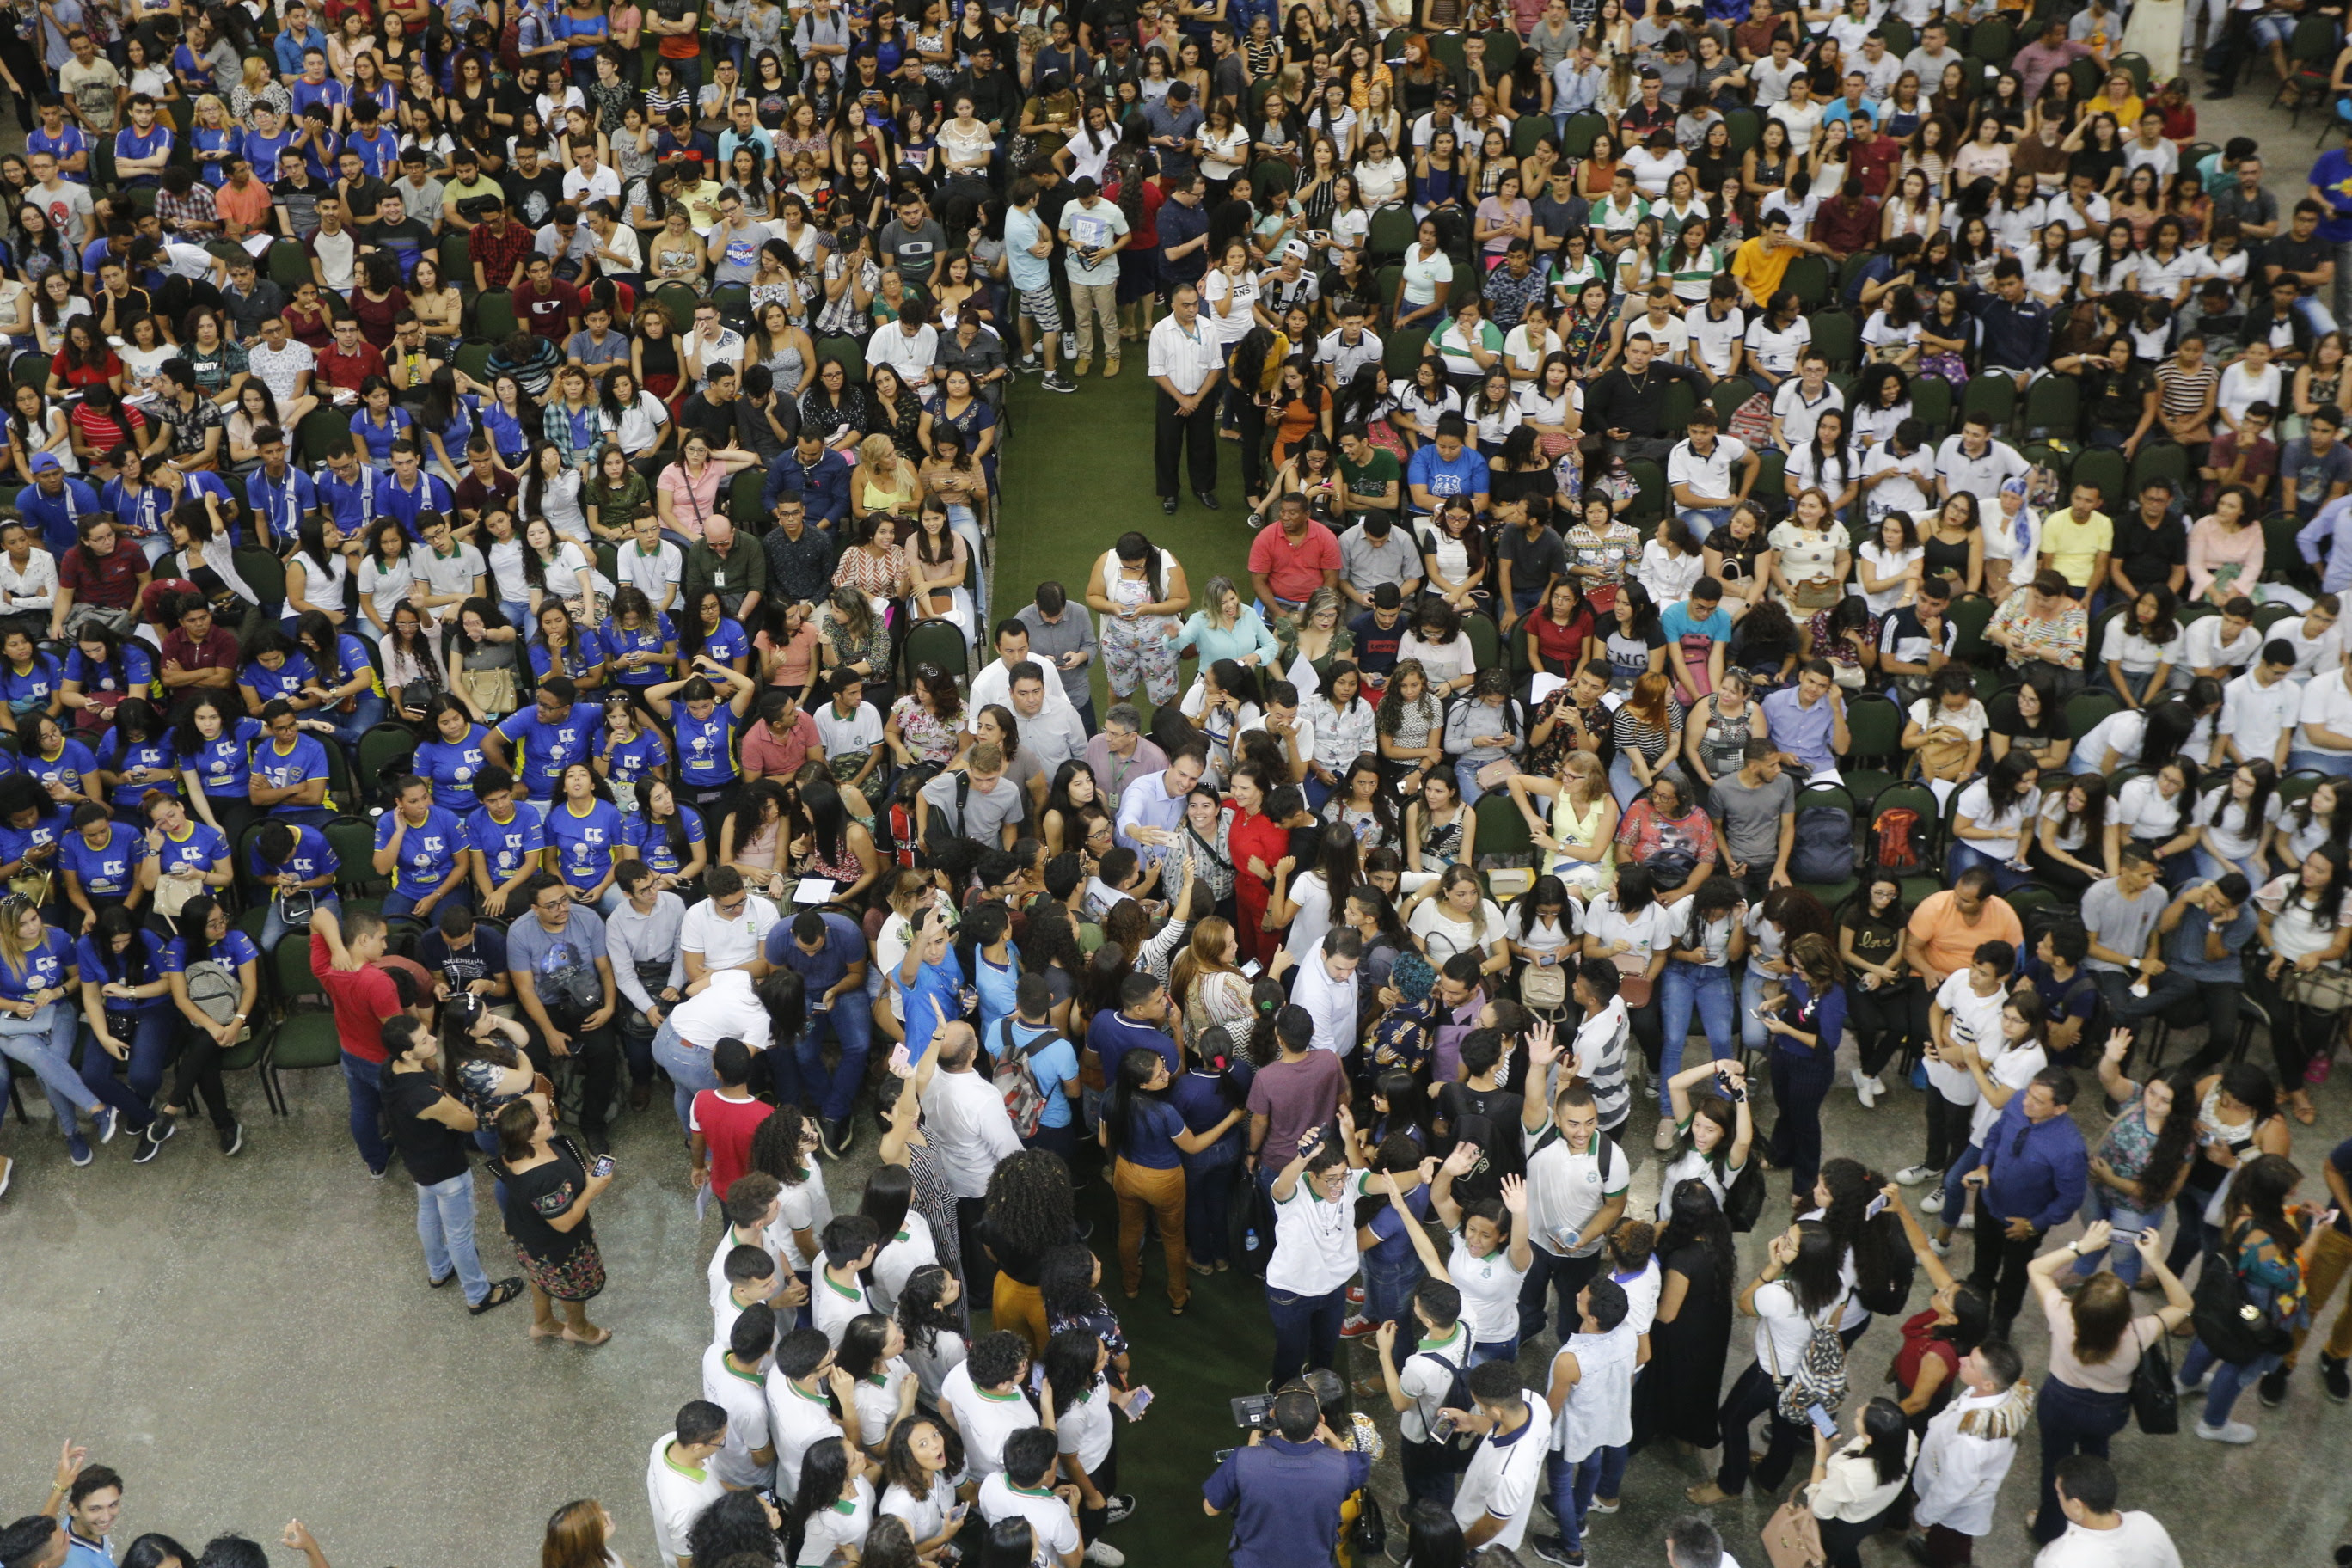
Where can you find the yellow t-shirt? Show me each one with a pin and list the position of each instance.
(1759, 269)
(2073, 548)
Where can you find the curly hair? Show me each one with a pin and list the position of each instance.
(1030, 1209)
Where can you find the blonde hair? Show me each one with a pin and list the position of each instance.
(1582, 769)
(879, 453)
(13, 911)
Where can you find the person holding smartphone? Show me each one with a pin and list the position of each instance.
(547, 1192)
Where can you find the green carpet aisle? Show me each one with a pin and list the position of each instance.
(1077, 474)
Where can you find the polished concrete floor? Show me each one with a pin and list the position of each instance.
(251, 1340)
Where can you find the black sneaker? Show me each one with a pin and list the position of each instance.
(232, 1138)
(2334, 1378)
(1552, 1549)
(149, 1145)
(2272, 1387)
(1055, 381)
(1120, 1507)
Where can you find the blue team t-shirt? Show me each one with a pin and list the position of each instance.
(651, 840)
(429, 852)
(585, 844)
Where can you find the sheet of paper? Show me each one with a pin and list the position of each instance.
(1303, 676)
(1541, 686)
(814, 890)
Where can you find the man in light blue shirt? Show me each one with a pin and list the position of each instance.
(1028, 259)
(1808, 719)
(296, 35)
(2327, 531)
(1855, 106)
(1697, 632)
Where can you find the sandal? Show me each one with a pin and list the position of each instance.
(502, 1292)
(602, 1335)
(550, 1332)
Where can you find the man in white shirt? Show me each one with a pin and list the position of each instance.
(1498, 1491)
(2223, 646)
(1053, 735)
(1184, 362)
(1773, 76)
(1417, 1384)
(1798, 405)
(995, 684)
(907, 345)
(678, 1480)
(1973, 461)
(2323, 737)
(969, 1130)
(724, 931)
(2316, 640)
(1341, 354)
(1698, 473)
(1693, 1542)
(1964, 1010)
(2259, 711)
(1577, 1181)
(587, 180)
(1326, 987)
(1715, 337)
(799, 1417)
(1967, 1451)
(982, 1397)
(1592, 1399)
(2098, 1534)
(733, 1373)
(1024, 1489)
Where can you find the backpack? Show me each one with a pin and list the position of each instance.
(1823, 848)
(215, 992)
(1743, 1200)
(1453, 1451)
(900, 816)
(1898, 842)
(1820, 1374)
(1023, 1100)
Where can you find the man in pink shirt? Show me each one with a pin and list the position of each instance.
(784, 738)
(2047, 56)
(1292, 559)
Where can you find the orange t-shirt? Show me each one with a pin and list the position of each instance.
(1950, 942)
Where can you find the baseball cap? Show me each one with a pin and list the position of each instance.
(47, 462)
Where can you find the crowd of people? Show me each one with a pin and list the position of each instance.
(571, 437)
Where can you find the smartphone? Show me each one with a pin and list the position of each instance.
(2125, 1235)
(1138, 1402)
(602, 1165)
(1822, 1422)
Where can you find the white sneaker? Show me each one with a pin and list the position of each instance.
(2186, 1386)
(1916, 1175)
(1664, 1138)
(1933, 1202)
(2227, 1432)
(1105, 1555)
(1939, 1247)
(1967, 1222)
(1861, 1088)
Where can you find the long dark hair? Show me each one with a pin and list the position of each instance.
(1814, 1276)
(922, 1316)
(1874, 1243)
(1695, 1218)
(1070, 1357)
(1889, 1433)
(1131, 547)
(824, 1471)
(137, 965)
(1127, 1089)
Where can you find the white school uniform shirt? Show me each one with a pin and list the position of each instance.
(2255, 715)
(806, 1207)
(877, 1401)
(843, 1524)
(1423, 1379)
(1490, 1291)
(1975, 1022)
(1976, 804)
(1712, 340)
(1505, 1476)
(1315, 1240)
(677, 1496)
(1799, 413)
(1959, 1474)
(2142, 811)
(924, 1516)
(2226, 819)
(1050, 1522)
(913, 1247)
(2012, 1070)
(728, 1242)
(797, 1422)
(2241, 388)
(1642, 1290)
(2202, 647)
(985, 1419)
(745, 1400)
(1084, 1430)
(2125, 645)
(831, 1306)
(2327, 703)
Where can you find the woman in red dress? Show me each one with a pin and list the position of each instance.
(1256, 843)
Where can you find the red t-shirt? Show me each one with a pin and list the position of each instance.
(1295, 569)
(547, 315)
(336, 368)
(364, 998)
(109, 580)
(727, 1126)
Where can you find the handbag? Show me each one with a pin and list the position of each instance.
(2321, 989)
(2226, 1318)
(1544, 987)
(1368, 1533)
(1815, 593)
(1792, 1536)
(490, 691)
(1634, 983)
(2154, 1400)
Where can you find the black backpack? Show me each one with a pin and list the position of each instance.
(1887, 1296)
(1823, 851)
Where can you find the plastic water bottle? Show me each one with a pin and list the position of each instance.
(1249, 1242)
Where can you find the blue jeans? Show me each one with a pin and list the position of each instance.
(150, 1043)
(273, 929)
(2336, 762)
(2123, 1259)
(518, 613)
(365, 1081)
(367, 712)
(1573, 1483)
(2072, 1421)
(2213, 867)
(1465, 778)
(44, 1042)
(2229, 1380)
(1306, 1330)
(1565, 1277)
(688, 1067)
(1683, 987)
(1955, 1190)
(852, 1026)
(1493, 1350)
(1703, 520)
(1388, 1285)
(2006, 878)
(402, 901)
(1752, 1033)
(445, 1224)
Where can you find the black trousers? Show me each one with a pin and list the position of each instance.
(1195, 434)
(1882, 1024)
(2000, 1267)
(598, 1052)
(1948, 1129)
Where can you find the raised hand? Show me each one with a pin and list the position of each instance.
(1514, 1194)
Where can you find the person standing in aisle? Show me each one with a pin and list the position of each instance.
(1184, 364)
(431, 1130)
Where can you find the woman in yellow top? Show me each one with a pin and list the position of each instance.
(1580, 841)
(887, 482)
(2118, 98)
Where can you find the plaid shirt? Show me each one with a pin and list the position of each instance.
(499, 253)
(573, 437)
(176, 212)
